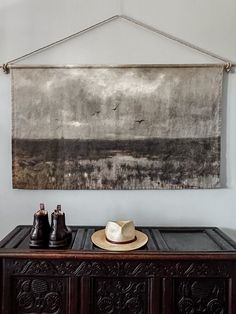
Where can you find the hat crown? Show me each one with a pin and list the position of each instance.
(120, 231)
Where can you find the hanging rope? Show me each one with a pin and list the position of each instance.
(228, 64)
(6, 66)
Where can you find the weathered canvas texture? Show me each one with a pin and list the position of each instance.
(143, 127)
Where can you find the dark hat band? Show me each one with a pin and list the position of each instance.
(125, 242)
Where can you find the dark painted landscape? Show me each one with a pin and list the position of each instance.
(122, 164)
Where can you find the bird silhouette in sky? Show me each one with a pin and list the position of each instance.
(140, 121)
(95, 113)
(115, 107)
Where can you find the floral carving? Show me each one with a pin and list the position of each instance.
(32, 267)
(39, 296)
(118, 268)
(40, 286)
(197, 296)
(120, 296)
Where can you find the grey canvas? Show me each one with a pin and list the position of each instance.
(136, 127)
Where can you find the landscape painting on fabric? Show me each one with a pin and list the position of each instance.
(121, 127)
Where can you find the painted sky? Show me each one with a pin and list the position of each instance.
(117, 103)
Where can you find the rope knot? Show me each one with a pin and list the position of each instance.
(228, 67)
(5, 68)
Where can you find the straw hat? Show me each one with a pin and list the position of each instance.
(119, 236)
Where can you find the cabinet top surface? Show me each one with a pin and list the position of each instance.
(175, 240)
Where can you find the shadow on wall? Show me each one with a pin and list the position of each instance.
(223, 167)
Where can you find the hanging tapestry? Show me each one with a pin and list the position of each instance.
(122, 127)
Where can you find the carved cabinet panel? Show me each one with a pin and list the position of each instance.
(201, 295)
(39, 295)
(116, 287)
(120, 295)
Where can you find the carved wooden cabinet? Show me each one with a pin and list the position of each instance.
(179, 271)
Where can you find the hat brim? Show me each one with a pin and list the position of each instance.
(99, 239)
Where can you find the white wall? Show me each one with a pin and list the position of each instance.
(26, 25)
